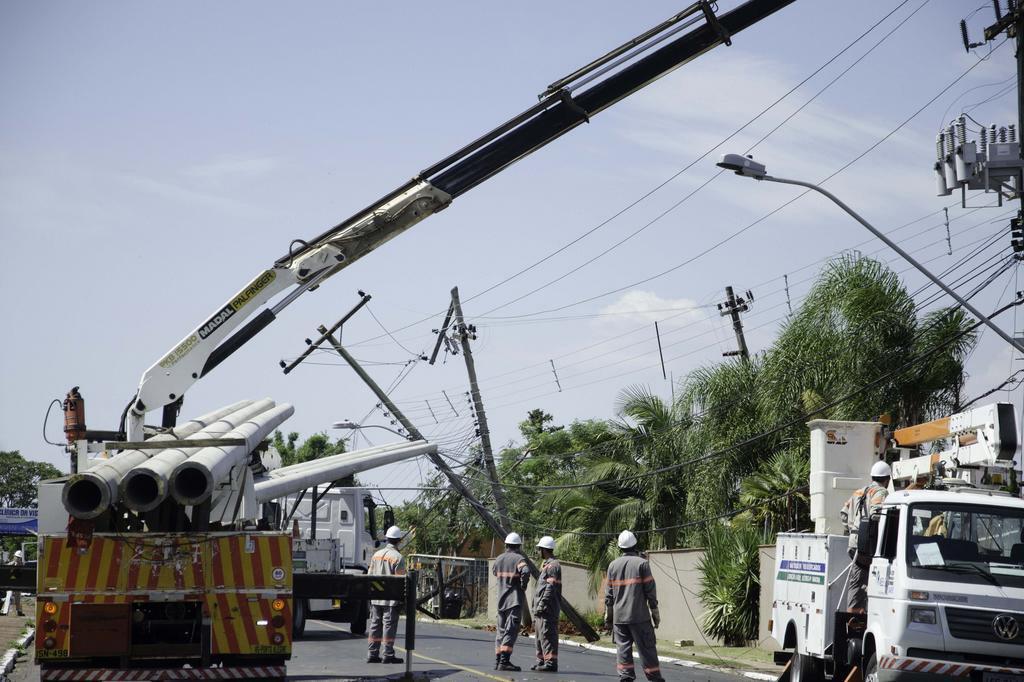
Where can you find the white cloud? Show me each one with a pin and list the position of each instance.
(638, 306)
(225, 170)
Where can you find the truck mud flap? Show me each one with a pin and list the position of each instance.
(259, 672)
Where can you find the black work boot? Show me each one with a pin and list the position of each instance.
(497, 661)
(548, 667)
(393, 659)
(505, 664)
(373, 659)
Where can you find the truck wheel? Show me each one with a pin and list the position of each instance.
(871, 668)
(805, 668)
(300, 609)
(358, 626)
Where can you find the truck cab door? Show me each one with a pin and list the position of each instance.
(881, 574)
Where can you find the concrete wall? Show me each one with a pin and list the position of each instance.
(678, 580)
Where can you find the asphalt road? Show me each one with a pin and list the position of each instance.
(329, 652)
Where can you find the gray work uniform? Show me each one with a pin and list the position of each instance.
(513, 573)
(546, 607)
(861, 505)
(384, 612)
(631, 594)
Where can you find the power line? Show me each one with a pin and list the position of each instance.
(778, 427)
(764, 217)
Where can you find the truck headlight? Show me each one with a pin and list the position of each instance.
(923, 615)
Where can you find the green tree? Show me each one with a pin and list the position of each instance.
(857, 324)
(316, 446)
(646, 435)
(19, 479)
(730, 584)
(777, 491)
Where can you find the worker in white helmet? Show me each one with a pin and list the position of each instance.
(546, 605)
(862, 504)
(384, 612)
(513, 573)
(631, 610)
(15, 595)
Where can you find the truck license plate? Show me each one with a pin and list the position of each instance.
(1001, 677)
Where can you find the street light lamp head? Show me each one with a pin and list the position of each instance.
(345, 425)
(743, 165)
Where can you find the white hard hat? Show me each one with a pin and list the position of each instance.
(880, 470)
(394, 533)
(547, 542)
(19, 554)
(513, 539)
(627, 540)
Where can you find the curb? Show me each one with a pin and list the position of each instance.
(686, 663)
(683, 662)
(7, 661)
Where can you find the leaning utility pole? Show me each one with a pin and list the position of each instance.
(438, 461)
(733, 306)
(464, 334)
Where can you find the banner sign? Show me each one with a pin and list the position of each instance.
(18, 521)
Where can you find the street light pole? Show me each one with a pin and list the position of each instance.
(352, 426)
(747, 167)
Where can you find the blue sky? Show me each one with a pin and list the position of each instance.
(154, 157)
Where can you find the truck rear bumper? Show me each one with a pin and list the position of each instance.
(229, 673)
(892, 668)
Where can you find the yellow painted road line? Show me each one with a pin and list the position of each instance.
(417, 654)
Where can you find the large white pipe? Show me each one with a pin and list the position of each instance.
(145, 486)
(352, 455)
(88, 494)
(292, 479)
(194, 480)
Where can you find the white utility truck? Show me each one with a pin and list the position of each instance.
(946, 579)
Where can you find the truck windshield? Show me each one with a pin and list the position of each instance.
(966, 543)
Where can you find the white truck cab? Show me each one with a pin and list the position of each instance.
(946, 588)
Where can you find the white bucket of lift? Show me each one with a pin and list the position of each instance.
(841, 457)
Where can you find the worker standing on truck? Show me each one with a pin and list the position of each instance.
(513, 573)
(546, 605)
(861, 505)
(384, 612)
(631, 608)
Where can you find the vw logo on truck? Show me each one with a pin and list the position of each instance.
(1006, 627)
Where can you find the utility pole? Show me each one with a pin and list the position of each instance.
(438, 461)
(465, 334)
(733, 306)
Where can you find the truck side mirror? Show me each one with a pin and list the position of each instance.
(389, 517)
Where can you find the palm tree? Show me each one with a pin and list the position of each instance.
(777, 493)
(647, 435)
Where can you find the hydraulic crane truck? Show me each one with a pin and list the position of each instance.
(946, 577)
(147, 502)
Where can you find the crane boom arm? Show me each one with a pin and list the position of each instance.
(565, 104)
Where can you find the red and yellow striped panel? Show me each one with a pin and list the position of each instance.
(139, 563)
(96, 568)
(244, 623)
(237, 576)
(255, 561)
